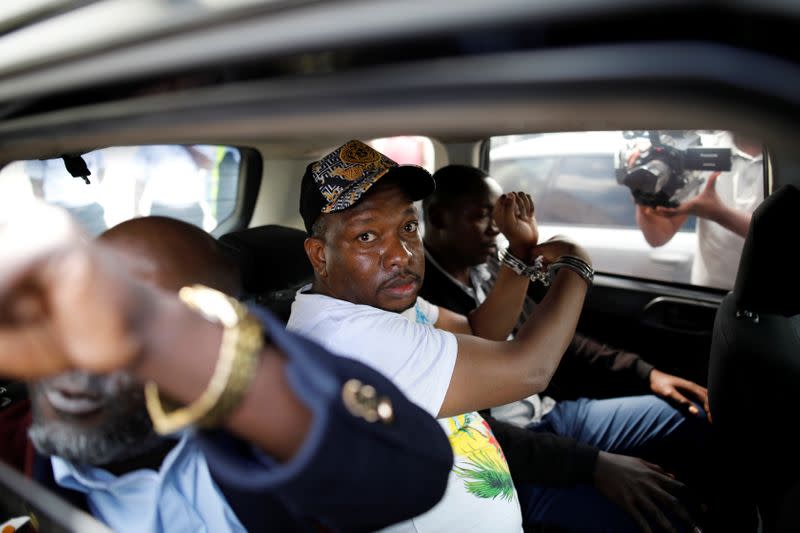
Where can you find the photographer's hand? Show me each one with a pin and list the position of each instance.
(707, 204)
(657, 229)
(710, 206)
(660, 224)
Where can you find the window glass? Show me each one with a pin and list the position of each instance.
(407, 150)
(590, 185)
(584, 191)
(530, 174)
(194, 183)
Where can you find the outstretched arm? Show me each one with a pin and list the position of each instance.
(659, 224)
(68, 303)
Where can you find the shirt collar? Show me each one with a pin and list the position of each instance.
(477, 275)
(435, 263)
(86, 478)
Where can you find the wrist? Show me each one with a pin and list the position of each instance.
(573, 263)
(522, 251)
(165, 316)
(239, 354)
(143, 318)
(577, 251)
(652, 377)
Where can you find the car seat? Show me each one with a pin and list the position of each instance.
(273, 264)
(754, 367)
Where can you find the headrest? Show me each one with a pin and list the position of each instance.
(271, 257)
(768, 280)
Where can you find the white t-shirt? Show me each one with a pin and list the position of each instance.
(719, 249)
(419, 359)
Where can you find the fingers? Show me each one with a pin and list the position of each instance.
(657, 468)
(509, 209)
(641, 521)
(669, 211)
(699, 394)
(712, 180)
(27, 238)
(663, 491)
(684, 402)
(652, 510)
(529, 207)
(504, 212)
(521, 210)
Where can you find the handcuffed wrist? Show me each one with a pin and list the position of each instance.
(576, 264)
(534, 271)
(521, 252)
(537, 271)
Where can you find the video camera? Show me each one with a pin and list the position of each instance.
(667, 172)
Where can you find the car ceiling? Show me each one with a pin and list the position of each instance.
(299, 74)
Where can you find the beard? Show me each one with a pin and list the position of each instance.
(124, 432)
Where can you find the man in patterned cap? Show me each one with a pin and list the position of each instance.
(367, 255)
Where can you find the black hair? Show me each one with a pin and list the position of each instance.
(453, 182)
(319, 227)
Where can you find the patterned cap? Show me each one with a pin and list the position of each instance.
(340, 179)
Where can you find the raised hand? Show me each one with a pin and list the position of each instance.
(679, 391)
(707, 204)
(643, 490)
(513, 215)
(66, 302)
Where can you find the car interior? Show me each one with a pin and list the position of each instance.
(279, 84)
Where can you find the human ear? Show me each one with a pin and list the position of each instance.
(315, 250)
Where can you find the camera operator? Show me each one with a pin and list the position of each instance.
(723, 208)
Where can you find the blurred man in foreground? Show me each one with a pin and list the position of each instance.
(103, 317)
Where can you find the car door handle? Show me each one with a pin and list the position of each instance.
(680, 315)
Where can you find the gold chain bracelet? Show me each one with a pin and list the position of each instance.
(239, 355)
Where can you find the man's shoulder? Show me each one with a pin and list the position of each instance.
(314, 314)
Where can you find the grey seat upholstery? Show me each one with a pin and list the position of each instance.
(273, 264)
(754, 367)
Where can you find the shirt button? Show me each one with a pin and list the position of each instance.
(363, 401)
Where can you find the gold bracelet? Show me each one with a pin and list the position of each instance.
(239, 355)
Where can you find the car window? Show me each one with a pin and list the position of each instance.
(194, 183)
(584, 191)
(407, 150)
(584, 184)
(530, 174)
